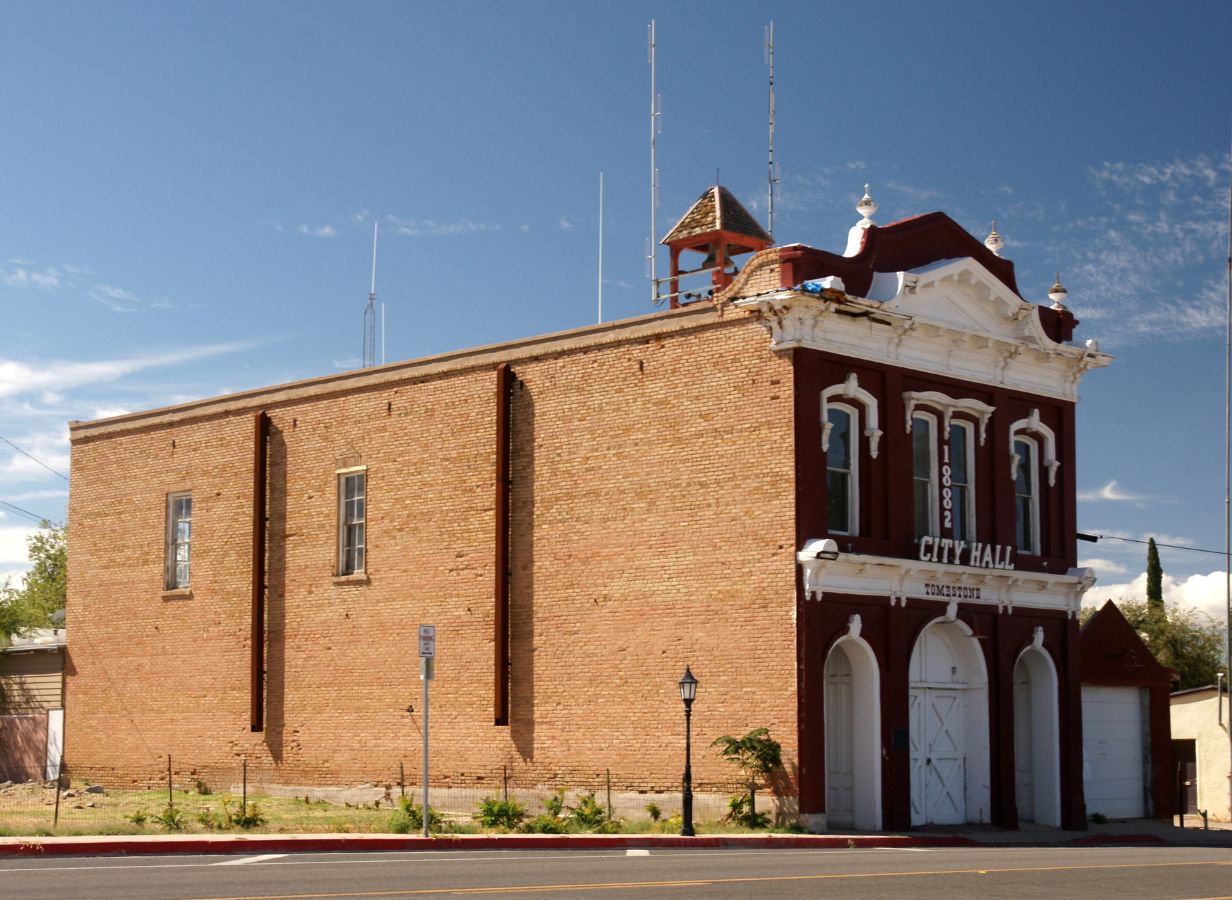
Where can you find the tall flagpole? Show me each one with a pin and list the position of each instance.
(1227, 495)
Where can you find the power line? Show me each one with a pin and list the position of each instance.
(34, 458)
(13, 507)
(1082, 536)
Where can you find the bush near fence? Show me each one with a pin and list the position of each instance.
(205, 798)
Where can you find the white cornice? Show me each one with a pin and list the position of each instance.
(955, 319)
(899, 579)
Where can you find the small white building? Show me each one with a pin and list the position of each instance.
(1200, 721)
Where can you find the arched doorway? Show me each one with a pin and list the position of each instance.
(1037, 769)
(949, 727)
(853, 736)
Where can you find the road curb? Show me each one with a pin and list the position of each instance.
(254, 844)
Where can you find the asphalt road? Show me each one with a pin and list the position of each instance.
(985, 872)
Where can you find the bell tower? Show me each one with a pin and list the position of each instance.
(720, 228)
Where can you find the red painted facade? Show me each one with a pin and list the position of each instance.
(886, 529)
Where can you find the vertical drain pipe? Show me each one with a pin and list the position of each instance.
(257, 688)
(504, 382)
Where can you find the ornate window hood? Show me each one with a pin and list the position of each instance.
(899, 579)
(956, 320)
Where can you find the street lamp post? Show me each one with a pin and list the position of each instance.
(688, 690)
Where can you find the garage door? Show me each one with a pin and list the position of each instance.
(1112, 741)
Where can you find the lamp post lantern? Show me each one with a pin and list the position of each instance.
(688, 691)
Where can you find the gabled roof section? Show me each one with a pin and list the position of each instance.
(898, 247)
(717, 210)
(1113, 653)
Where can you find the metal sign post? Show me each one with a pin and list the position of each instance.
(427, 670)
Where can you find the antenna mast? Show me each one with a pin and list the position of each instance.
(656, 110)
(600, 246)
(772, 173)
(370, 312)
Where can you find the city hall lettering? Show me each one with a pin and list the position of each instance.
(966, 553)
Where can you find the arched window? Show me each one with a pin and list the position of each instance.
(841, 435)
(1026, 496)
(842, 469)
(958, 483)
(924, 474)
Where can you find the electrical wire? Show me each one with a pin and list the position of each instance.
(34, 458)
(1113, 537)
(13, 507)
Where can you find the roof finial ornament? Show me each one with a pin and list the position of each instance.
(994, 241)
(1057, 294)
(866, 207)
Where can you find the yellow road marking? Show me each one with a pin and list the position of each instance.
(617, 885)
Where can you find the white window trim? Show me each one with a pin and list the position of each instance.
(934, 494)
(850, 390)
(169, 544)
(968, 430)
(1033, 476)
(948, 406)
(340, 476)
(853, 489)
(1032, 425)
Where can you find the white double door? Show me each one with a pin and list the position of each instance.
(938, 756)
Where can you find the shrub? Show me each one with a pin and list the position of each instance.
(171, 819)
(246, 815)
(740, 811)
(589, 813)
(140, 817)
(555, 805)
(494, 813)
(652, 810)
(755, 755)
(545, 824)
(409, 818)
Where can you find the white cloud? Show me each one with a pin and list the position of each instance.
(567, 223)
(1148, 268)
(27, 496)
(13, 545)
(1102, 566)
(120, 300)
(17, 378)
(431, 228)
(1205, 593)
(1110, 491)
(19, 276)
(320, 231)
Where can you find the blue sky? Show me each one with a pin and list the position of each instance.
(188, 193)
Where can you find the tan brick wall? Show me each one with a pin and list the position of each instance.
(653, 523)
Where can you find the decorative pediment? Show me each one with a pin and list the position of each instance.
(961, 294)
(951, 319)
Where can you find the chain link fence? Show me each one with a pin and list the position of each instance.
(176, 795)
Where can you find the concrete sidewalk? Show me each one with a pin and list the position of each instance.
(1135, 831)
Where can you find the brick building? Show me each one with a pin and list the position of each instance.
(841, 488)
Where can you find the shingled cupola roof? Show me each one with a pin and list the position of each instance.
(718, 211)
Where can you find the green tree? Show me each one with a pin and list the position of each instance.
(1184, 639)
(43, 591)
(1154, 576)
(757, 755)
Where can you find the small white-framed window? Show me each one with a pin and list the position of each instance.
(842, 469)
(352, 521)
(958, 482)
(178, 566)
(1026, 496)
(924, 474)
